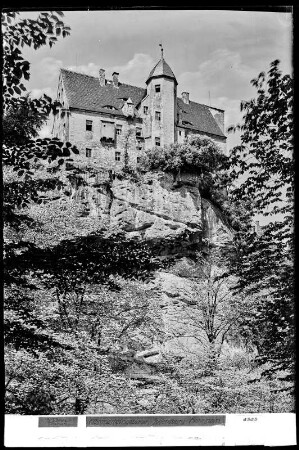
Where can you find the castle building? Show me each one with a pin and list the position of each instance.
(105, 118)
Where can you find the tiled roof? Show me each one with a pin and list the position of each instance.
(161, 68)
(85, 92)
(197, 117)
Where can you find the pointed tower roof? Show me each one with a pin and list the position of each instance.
(161, 69)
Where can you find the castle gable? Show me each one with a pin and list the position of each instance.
(197, 117)
(85, 92)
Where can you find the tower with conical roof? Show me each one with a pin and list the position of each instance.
(160, 105)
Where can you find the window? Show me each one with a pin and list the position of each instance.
(118, 130)
(138, 159)
(117, 156)
(180, 133)
(157, 142)
(108, 130)
(157, 88)
(158, 116)
(145, 110)
(139, 147)
(88, 125)
(88, 152)
(138, 132)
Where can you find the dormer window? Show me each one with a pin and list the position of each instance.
(158, 116)
(157, 88)
(88, 125)
(128, 108)
(110, 107)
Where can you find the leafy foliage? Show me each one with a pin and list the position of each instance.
(236, 386)
(198, 153)
(32, 33)
(24, 116)
(263, 172)
(63, 363)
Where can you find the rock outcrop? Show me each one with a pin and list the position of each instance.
(158, 208)
(172, 215)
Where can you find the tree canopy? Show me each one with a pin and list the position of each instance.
(263, 176)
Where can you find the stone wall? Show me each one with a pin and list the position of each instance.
(104, 154)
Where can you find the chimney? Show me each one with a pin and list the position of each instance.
(185, 97)
(115, 79)
(102, 77)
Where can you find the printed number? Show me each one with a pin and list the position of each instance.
(250, 419)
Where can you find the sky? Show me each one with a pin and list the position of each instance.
(213, 54)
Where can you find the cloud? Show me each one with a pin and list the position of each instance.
(136, 70)
(88, 69)
(45, 74)
(223, 75)
(133, 72)
(37, 93)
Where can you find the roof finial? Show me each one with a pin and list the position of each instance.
(161, 50)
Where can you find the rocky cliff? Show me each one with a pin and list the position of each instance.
(157, 208)
(172, 215)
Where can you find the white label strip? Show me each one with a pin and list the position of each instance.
(72, 431)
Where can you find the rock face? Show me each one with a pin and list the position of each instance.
(154, 208)
(169, 213)
(158, 208)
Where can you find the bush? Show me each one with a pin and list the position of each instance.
(188, 389)
(198, 153)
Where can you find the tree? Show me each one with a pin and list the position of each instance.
(213, 314)
(45, 30)
(70, 359)
(263, 173)
(23, 116)
(21, 122)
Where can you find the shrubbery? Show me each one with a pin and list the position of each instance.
(198, 153)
